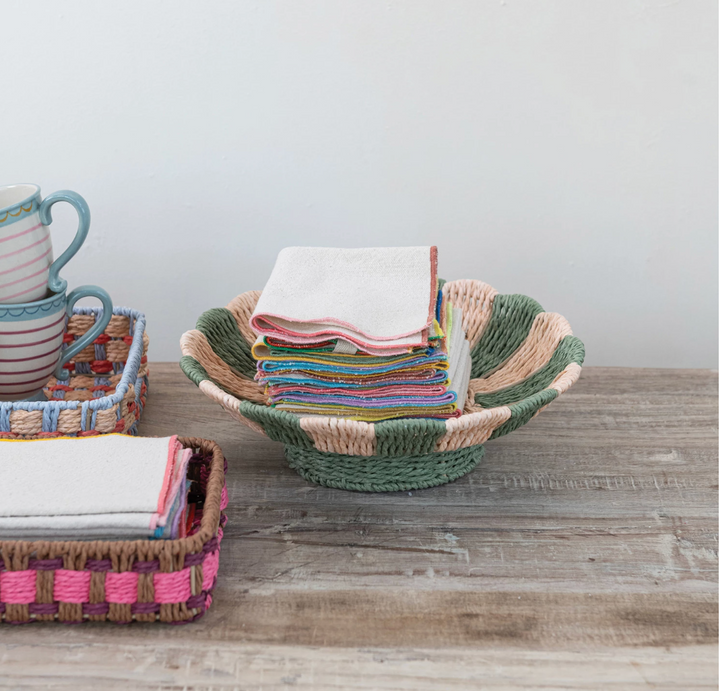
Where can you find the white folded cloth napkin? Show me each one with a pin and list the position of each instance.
(111, 485)
(380, 299)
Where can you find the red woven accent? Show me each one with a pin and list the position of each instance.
(119, 426)
(102, 387)
(68, 338)
(190, 518)
(101, 366)
(69, 366)
(102, 339)
(143, 359)
(88, 433)
(128, 340)
(45, 435)
(60, 387)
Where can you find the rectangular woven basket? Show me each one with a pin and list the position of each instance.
(123, 580)
(107, 386)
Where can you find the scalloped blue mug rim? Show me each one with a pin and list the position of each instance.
(31, 197)
(19, 308)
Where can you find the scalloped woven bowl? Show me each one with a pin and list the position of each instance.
(522, 359)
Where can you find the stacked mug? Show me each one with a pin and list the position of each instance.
(34, 304)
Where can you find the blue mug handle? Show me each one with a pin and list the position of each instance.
(55, 283)
(89, 336)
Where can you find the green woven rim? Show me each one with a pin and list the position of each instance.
(382, 473)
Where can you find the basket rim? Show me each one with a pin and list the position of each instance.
(358, 438)
(14, 552)
(129, 375)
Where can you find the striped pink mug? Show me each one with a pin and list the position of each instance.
(31, 341)
(27, 270)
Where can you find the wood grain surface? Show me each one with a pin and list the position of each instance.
(581, 554)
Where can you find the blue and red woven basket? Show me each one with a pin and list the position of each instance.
(106, 390)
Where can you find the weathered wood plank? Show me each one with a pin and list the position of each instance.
(581, 554)
(211, 666)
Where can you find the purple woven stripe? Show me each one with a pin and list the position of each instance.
(145, 608)
(194, 559)
(202, 611)
(196, 601)
(146, 566)
(96, 608)
(211, 545)
(98, 565)
(45, 564)
(43, 608)
(2, 607)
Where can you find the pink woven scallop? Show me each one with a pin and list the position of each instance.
(17, 587)
(121, 588)
(71, 586)
(172, 587)
(210, 569)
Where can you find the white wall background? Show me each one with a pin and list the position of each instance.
(566, 149)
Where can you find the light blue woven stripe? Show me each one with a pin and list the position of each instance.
(83, 415)
(5, 410)
(50, 418)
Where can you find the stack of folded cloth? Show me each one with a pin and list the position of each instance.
(106, 487)
(361, 334)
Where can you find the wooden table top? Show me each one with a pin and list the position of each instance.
(581, 554)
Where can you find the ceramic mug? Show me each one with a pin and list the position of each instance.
(31, 339)
(27, 270)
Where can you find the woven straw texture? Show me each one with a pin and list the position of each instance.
(106, 390)
(522, 359)
(123, 581)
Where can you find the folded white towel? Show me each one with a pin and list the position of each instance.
(379, 299)
(88, 486)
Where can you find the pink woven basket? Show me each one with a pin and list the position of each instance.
(123, 581)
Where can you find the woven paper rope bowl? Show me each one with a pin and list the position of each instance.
(522, 359)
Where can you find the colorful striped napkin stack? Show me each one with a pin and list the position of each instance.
(361, 334)
(105, 487)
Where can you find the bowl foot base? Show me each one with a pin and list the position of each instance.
(382, 473)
